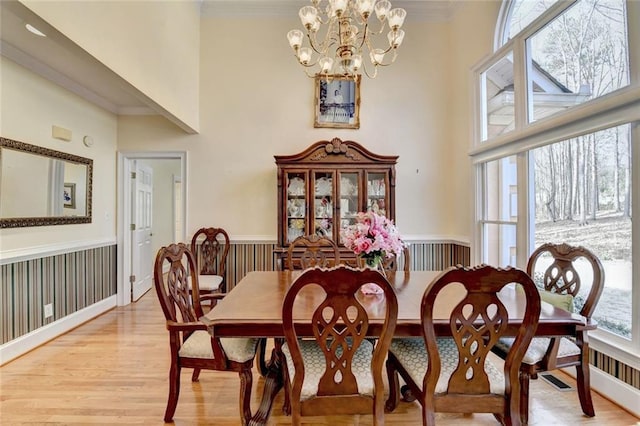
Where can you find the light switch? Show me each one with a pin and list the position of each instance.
(61, 133)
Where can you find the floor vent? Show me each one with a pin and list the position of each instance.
(555, 382)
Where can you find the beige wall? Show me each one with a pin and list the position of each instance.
(464, 52)
(256, 102)
(29, 106)
(152, 45)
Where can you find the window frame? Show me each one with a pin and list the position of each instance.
(615, 108)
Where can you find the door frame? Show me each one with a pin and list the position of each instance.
(125, 160)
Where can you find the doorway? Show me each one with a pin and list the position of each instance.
(164, 216)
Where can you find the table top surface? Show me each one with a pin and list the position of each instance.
(254, 306)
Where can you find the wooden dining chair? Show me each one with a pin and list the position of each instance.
(304, 252)
(338, 371)
(190, 343)
(454, 374)
(211, 248)
(312, 250)
(561, 284)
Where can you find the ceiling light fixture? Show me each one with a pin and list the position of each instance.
(34, 30)
(347, 30)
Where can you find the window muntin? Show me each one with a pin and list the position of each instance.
(501, 177)
(498, 96)
(579, 56)
(582, 194)
(500, 211)
(499, 248)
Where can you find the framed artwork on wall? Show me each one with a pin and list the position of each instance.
(69, 194)
(337, 102)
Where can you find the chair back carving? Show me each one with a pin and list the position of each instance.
(213, 253)
(173, 291)
(339, 325)
(561, 275)
(476, 323)
(308, 251)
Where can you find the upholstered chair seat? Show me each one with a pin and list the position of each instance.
(198, 345)
(539, 346)
(315, 367)
(412, 354)
(208, 283)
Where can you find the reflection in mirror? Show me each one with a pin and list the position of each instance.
(40, 186)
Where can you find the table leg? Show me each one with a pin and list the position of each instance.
(273, 382)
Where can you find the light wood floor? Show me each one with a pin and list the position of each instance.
(113, 370)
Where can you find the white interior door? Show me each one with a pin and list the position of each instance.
(141, 250)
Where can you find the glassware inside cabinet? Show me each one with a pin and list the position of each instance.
(323, 204)
(296, 205)
(348, 199)
(377, 193)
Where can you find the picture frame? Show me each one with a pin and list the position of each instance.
(337, 102)
(69, 194)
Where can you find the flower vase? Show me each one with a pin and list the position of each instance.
(376, 264)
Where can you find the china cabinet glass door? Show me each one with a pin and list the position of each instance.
(377, 193)
(296, 205)
(349, 194)
(323, 203)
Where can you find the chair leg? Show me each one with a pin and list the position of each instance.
(428, 416)
(246, 381)
(195, 375)
(286, 406)
(394, 385)
(584, 388)
(524, 398)
(174, 392)
(261, 354)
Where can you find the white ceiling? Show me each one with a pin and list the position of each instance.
(60, 60)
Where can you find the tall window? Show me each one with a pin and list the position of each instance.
(558, 145)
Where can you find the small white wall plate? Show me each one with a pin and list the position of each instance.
(88, 141)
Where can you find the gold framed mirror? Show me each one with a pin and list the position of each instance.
(42, 187)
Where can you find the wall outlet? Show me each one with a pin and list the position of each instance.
(48, 310)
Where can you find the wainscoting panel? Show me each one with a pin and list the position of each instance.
(70, 281)
(617, 369)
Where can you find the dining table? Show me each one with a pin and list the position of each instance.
(253, 308)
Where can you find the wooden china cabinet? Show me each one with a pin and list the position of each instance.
(321, 189)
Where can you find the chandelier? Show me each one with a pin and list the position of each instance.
(347, 36)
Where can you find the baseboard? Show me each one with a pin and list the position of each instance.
(23, 344)
(615, 390)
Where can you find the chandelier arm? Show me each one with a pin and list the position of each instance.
(393, 59)
(313, 45)
(366, 71)
(382, 27)
(309, 65)
(389, 50)
(365, 36)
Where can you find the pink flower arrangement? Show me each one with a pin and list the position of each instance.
(373, 237)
